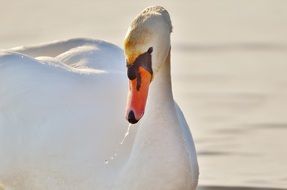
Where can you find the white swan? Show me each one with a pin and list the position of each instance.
(62, 107)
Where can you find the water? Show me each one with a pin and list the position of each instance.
(118, 149)
(236, 104)
(127, 133)
(229, 73)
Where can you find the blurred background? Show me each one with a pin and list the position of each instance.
(229, 66)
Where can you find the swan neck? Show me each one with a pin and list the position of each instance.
(158, 141)
(161, 87)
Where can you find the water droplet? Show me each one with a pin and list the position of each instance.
(114, 155)
(126, 134)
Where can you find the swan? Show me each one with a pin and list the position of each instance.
(62, 114)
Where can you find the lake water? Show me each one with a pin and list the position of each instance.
(229, 64)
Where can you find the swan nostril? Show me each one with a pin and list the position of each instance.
(131, 118)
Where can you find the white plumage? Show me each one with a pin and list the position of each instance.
(62, 119)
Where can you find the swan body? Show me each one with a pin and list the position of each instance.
(54, 117)
(62, 116)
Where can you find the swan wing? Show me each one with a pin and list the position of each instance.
(58, 118)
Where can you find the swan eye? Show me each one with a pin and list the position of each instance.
(143, 60)
(132, 72)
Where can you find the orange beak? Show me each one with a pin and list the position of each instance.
(137, 96)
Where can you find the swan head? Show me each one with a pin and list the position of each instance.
(146, 45)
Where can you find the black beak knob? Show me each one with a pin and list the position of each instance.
(132, 118)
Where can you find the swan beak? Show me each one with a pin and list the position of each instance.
(137, 96)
